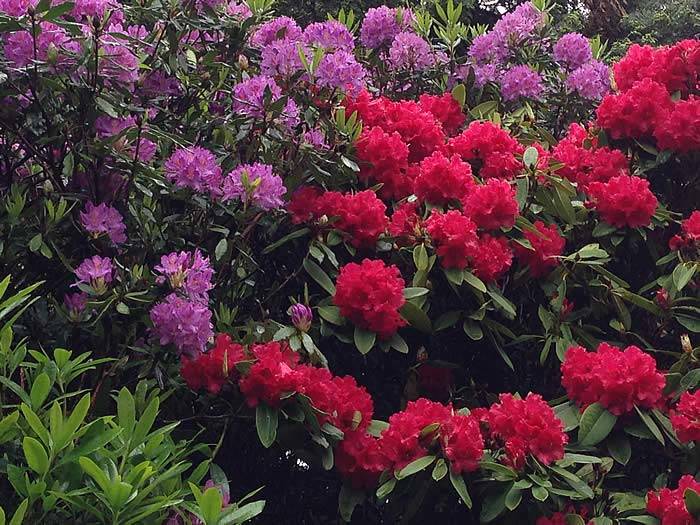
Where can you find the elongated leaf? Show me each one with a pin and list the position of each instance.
(651, 425)
(458, 483)
(266, 420)
(318, 275)
(596, 423)
(416, 317)
(40, 390)
(415, 466)
(35, 424)
(35, 454)
(619, 448)
(18, 516)
(364, 340)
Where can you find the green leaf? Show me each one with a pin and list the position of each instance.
(502, 303)
(96, 473)
(18, 516)
(603, 229)
(459, 93)
(458, 483)
(210, 505)
(331, 314)
(513, 498)
(540, 493)
(386, 488)
(412, 293)
(415, 466)
(40, 390)
(36, 456)
(348, 499)
(530, 158)
(145, 423)
(266, 420)
(35, 424)
(473, 330)
(420, 257)
(220, 249)
(318, 275)
(651, 425)
(8, 424)
(596, 423)
(364, 340)
(562, 202)
(473, 281)
(692, 502)
(35, 243)
(682, 275)
(126, 412)
(398, 343)
(440, 470)
(619, 448)
(242, 514)
(73, 422)
(454, 275)
(416, 317)
(294, 235)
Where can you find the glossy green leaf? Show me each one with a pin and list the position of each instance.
(266, 420)
(461, 487)
(40, 390)
(596, 423)
(415, 466)
(35, 454)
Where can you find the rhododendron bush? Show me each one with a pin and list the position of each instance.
(391, 267)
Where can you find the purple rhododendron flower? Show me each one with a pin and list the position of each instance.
(182, 322)
(572, 51)
(52, 43)
(95, 271)
(340, 70)
(410, 51)
(255, 184)
(301, 316)
(591, 80)
(16, 7)
(488, 48)
(280, 28)
(316, 138)
(188, 271)
(381, 25)
(484, 74)
(330, 35)
(517, 26)
(249, 99)
(103, 219)
(94, 8)
(281, 58)
(75, 303)
(521, 81)
(238, 10)
(194, 168)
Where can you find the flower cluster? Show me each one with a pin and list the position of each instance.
(213, 369)
(669, 504)
(103, 219)
(492, 205)
(256, 185)
(381, 25)
(685, 417)
(617, 379)
(623, 200)
(442, 180)
(454, 237)
(183, 322)
(370, 294)
(189, 272)
(690, 232)
(97, 272)
(251, 96)
(194, 168)
(547, 244)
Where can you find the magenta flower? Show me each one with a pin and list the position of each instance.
(591, 80)
(572, 51)
(53, 44)
(182, 322)
(75, 303)
(95, 271)
(301, 316)
(256, 185)
(381, 24)
(103, 219)
(330, 35)
(249, 99)
(280, 28)
(188, 271)
(410, 51)
(521, 81)
(281, 58)
(341, 71)
(16, 7)
(316, 138)
(95, 8)
(194, 168)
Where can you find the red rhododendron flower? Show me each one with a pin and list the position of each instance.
(386, 161)
(454, 237)
(359, 459)
(527, 426)
(492, 205)
(405, 224)
(669, 505)
(213, 369)
(690, 232)
(617, 379)
(678, 129)
(442, 180)
(558, 518)
(675, 66)
(445, 109)
(492, 258)
(362, 216)
(462, 443)
(370, 295)
(634, 114)
(624, 201)
(369, 109)
(685, 417)
(491, 149)
(418, 128)
(304, 205)
(547, 246)
(271, 375)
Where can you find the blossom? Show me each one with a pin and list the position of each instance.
(249, 100)
(521, 81)
(194, 168)
(301, 316)
(669, 504)
(527, 426)
(305, 205)
(492, 257)
(103, 219)
(405, 223)
(93, 8)
(677, 129)
(213, 369)
(271, 375)
(690, 232)
(384, 159)
(254, 184)
(410, 51)
(53, 44)
(119, 62)
(445, 109)
(75, 303)
(454, 237)
(370, 294)
(685, 417)
(484, 74)
(488, 48)
(189, 271)
(16, 7)
(572, 51)
(361, 216)
(381, 24)
(96, 271)
(182, 322)
(462, 443)
(359, 459)
(330, 35)
(591, 80)
(617, 379)
(442, 180)
(316, 138)
(279, 28)
(492, 205)
(635, 113)
(281, 58)
(547, 245)
(624, 201)
(340, 70)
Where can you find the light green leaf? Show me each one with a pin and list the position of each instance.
(318, 275)
(596, 423)
(458, 483)
(36, 456)
(18, 516)
(415, 466)
(364, 340)
(416, 317)
(40, 390)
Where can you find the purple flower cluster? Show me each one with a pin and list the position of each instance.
(103, 219)
(316, 138)
(52, 44)
(381, 25)
(16, 7)
(572, 51)
(95, 8)
(330, 35)
(279, 28)
(75, 303)
(96, 271)
(591, 81)
(187, 271)
(238, 10)
(249, 99)
(256, 185)
(521, 81)
(410, 51)
(119, 63)
(182, 322)
(340, 70)
(194, 168)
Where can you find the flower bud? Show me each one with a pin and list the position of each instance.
(301, 316)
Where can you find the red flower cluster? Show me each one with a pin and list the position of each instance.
(271, 375)
(454, 237)
(490, 149)
(370, 295)
(624, 201)
(405, 223)
(492, 205)
(690, 232)
(585, 165)
(525, 426)
(492, 257)
(686, 417)
(617, 379)
(359, 459)
(386, 159)
(547, 246)
(678, 129)
(669, 505)
(446, 111)
(442, 180)
(362, 216)
(213, 369)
